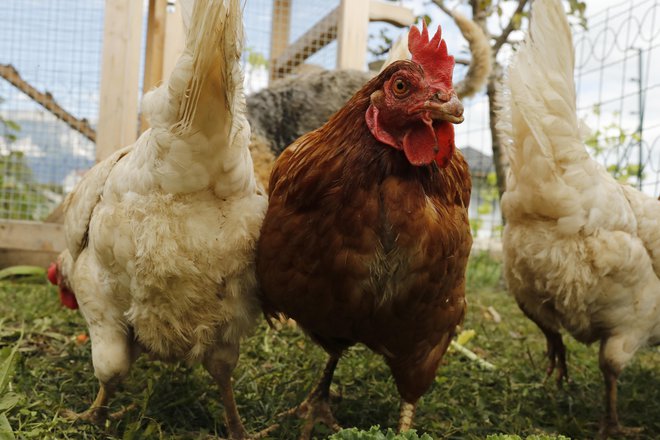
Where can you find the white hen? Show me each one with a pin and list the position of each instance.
(161, 236)
(581, 251)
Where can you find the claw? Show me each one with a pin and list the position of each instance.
(608, 429)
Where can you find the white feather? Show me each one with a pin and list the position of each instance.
(582, 251)
(163, 233)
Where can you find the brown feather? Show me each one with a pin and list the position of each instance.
(360, 246)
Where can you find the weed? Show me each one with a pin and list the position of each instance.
(277, 369)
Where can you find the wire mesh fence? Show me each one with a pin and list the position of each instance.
(49, 57)
(50, 68)
(50, 60)
(618, 97)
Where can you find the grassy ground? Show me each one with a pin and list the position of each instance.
(277, 369)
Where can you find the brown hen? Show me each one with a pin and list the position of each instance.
(366, 237)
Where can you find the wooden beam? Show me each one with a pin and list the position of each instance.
(175, 39)
(315, 39)
(118, 113)
(46, 100)
(352, 53)
(31, 236)
(153, 61)
(13, 257)
(280, 31)
(352, 34)
(390, 13)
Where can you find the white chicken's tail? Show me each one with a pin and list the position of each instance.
(198, 120)
(538, 119)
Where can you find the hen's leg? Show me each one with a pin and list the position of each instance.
(316, 407)
(98, 412)
(556, 355)
(406, 414)
(612, 359)
(556, 351)
(220, 363)
(112, 356)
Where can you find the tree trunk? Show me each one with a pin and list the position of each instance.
(498, 153)
(479, 16)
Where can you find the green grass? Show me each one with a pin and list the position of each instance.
(277, 369)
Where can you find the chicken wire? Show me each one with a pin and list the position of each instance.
(618, 94)
(618, 98)
(53, 47)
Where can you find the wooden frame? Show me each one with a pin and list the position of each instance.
(120, 70)
(348, 24)
(27, 242)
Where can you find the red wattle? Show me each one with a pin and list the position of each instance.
(52, 273)
(68, 299)
(420, 144)
(444, 133)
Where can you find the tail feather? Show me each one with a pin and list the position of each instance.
(542, 92)
(551, 175)
(398, 51)
(200, 133)
(209, 64)
(550, 169)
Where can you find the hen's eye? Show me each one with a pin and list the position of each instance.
(400, 87)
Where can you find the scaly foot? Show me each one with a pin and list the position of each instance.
(556, 357)
(97, 415)
(312, 410)
(614, 430)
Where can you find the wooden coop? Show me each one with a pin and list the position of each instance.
(136, 44)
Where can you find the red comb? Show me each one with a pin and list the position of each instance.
(432, 55)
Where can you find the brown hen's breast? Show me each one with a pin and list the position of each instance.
(371, 258)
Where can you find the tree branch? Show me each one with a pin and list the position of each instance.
(504, 36)
(441, 4)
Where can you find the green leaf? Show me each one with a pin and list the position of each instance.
(12, 125)
(8, 401)
(18, 271)
(6, 433)
(7, 361)
(374, 433)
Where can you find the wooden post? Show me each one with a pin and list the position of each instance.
(352, 34)
(279, 37)
(153, 61)
(118, 113)
(175, 39)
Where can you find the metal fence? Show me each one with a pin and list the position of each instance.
(50, 60)
(618, 99)
(50, 69)
(618, 96)
(49, 56)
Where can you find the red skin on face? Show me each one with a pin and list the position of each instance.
(67, 297)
